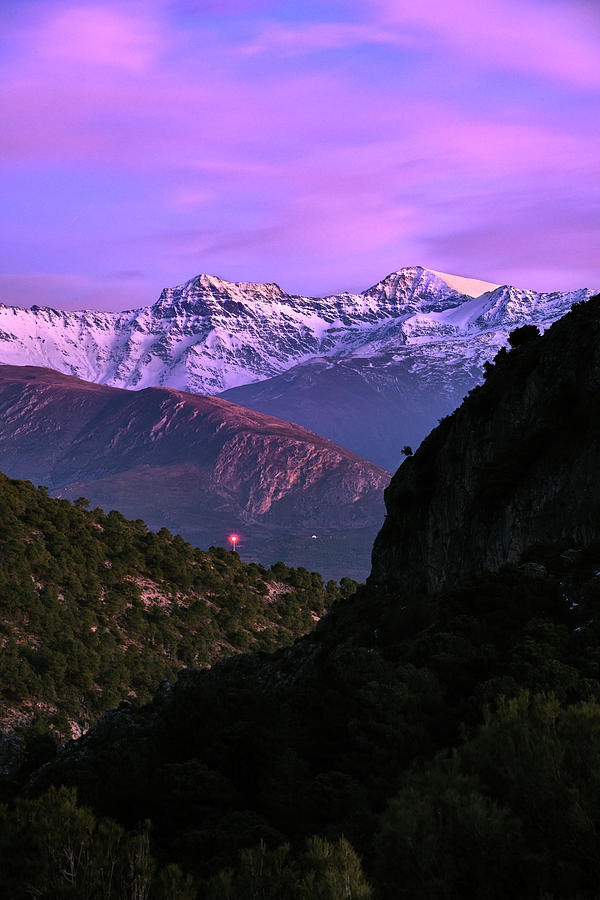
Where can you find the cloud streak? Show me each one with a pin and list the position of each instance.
(558, 41)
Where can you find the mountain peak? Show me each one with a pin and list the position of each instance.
(216, 283)
(221, 288)
(431, 280)
(421, 289)
(209, 292)
(468, 287)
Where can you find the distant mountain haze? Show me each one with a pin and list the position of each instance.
(372, 371)
(200, 466)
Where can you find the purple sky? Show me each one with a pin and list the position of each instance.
(317, 144)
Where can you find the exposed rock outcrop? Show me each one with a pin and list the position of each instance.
(518, 463)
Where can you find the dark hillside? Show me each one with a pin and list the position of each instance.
(467, 726)
(450, 738)
(515, 464)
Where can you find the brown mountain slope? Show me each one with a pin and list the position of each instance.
(198, 465)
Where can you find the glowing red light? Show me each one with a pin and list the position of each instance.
(233, 539)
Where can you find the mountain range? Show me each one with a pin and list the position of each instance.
(371, 371)
(199, 466)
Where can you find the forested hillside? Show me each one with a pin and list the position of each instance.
(446, 749)
(430, 741)
(95, 609)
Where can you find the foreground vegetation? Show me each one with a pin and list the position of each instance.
(448, 747)
(95, 609)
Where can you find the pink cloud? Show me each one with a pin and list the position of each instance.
(87, 36)
(190, 197)
(252, 160)
(557, 41)
(202, 115)
(508, 244)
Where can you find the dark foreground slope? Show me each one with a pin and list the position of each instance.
(200, 466)
(452, 736)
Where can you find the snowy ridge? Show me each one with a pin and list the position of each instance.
(209, 335)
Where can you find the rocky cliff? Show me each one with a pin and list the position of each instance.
(516, 464)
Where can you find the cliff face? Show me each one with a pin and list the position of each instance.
(517, 463)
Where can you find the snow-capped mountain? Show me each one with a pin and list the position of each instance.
(417, 333)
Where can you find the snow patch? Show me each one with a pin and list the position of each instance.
(470, 287)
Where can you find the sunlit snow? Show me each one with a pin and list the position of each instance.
(209, 335)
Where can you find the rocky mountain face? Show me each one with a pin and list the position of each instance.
(372, 371)
(517, 464)
(198, 465)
